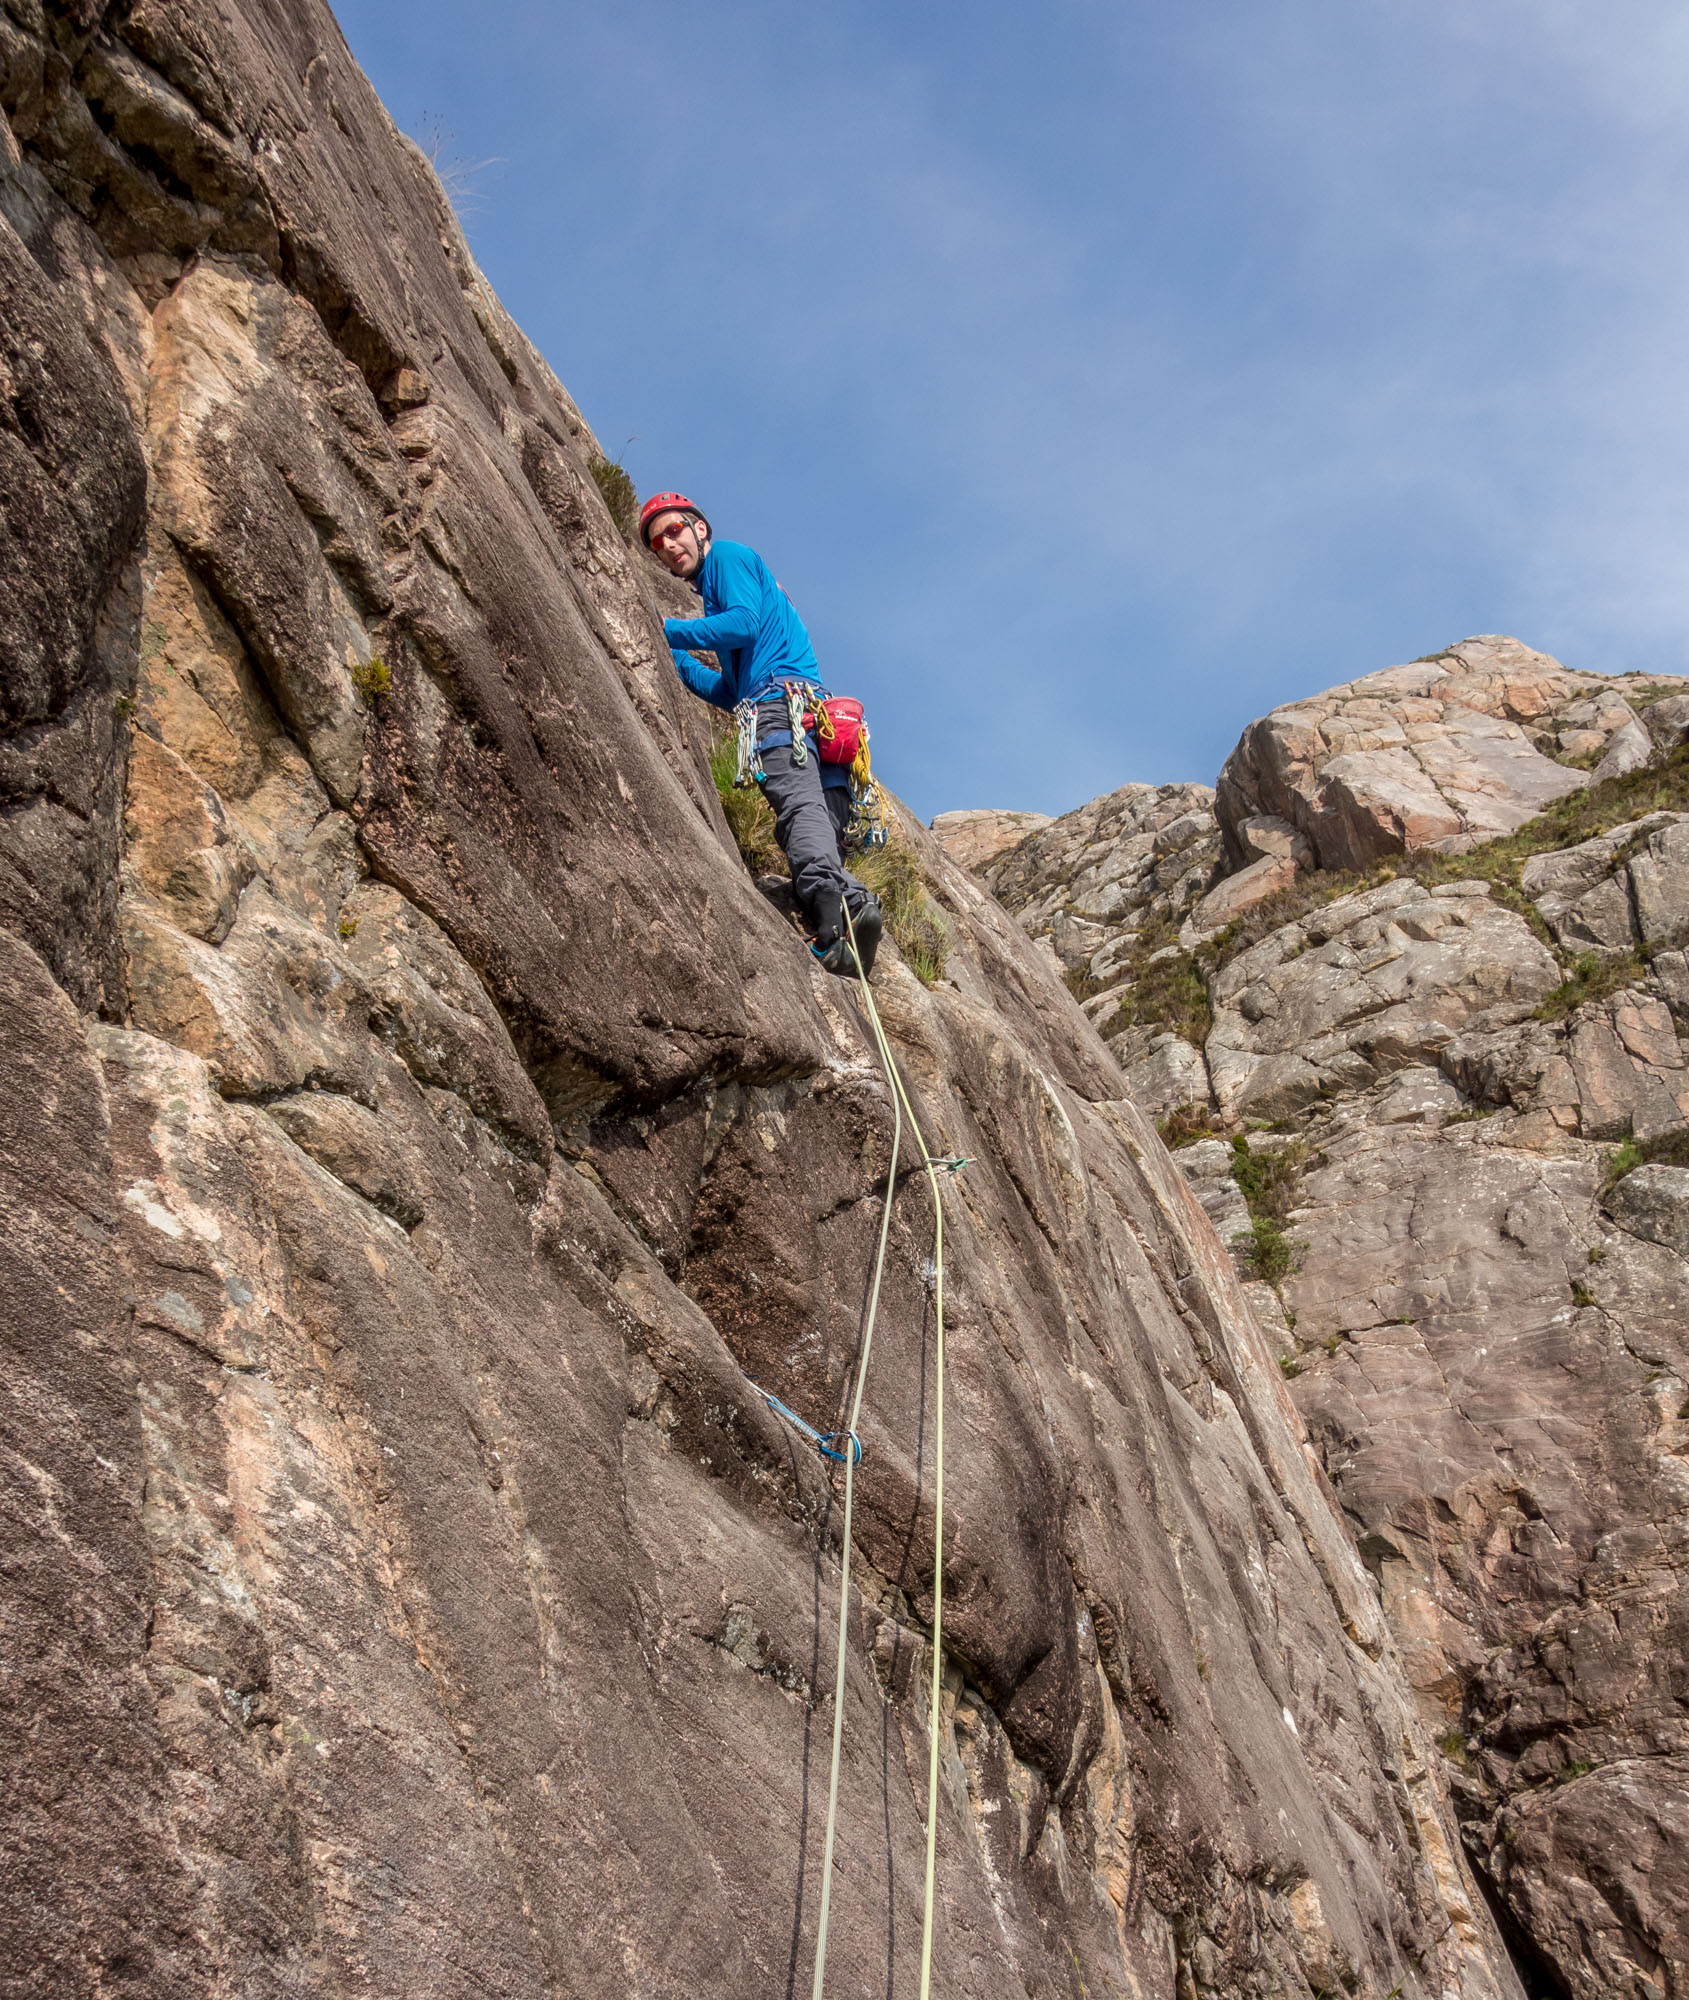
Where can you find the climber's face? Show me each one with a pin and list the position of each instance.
(678, 543)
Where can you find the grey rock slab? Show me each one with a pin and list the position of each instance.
(1236, 893)
(1628, 749)
(1383, 982)
(1668, 721)
(1170, 1073)
(1141, 854)
(1436, 754)
(1601, 916)
(1659, 883)
(976, 836)
(1653, 1202)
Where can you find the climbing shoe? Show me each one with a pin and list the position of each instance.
(869, 922)
(835, 956)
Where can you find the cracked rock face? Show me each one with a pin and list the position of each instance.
(406, 1590)
(1483, 1328)
(1366, 985)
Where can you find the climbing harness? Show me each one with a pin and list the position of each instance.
(934, 1166)
(838, 724)
(747, 718)
(823, 1441)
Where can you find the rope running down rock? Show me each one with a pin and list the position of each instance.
(844, 1552)
(901, 1107)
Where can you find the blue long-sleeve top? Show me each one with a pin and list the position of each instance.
(749, 623)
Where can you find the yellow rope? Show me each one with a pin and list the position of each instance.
(844, 1558)
(902, 1097)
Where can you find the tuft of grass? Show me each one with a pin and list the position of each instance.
(750, 818)
(348, 927)
(1592, 977)
(1644, 698)
(1668, 1149)
(1268, 1254)
(1452, 1743)
(1268, 1182)
(1467, 1116)
(1082, 985)
(372, 678)
(1186, 1125)
(917, 929)
(1289, 1366)
(1581, 1294)
(1578, 1768)
(1172, 993)
(620, 495)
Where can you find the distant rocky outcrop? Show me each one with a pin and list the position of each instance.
(973, 838)
(1428, 1046)
(1445, 753)
(417, 1138)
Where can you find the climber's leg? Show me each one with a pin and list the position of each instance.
(809, 838)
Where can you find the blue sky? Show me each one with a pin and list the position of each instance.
(1096, 376)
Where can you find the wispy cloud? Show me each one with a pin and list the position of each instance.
(1098, 376)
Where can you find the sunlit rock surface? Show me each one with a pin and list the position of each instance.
(1480, 1296)
(418, 1133)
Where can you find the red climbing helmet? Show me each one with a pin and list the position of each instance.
(668, 503)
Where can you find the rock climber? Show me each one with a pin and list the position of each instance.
(752, 627)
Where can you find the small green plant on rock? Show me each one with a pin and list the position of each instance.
(1592, 977)
(1171, 993)
(1187, 1124)
(372, 678)
(750, 819)
(917, 929)
(620, 495)
(1289, 1366)
(1268, 1181)
(1268, 1254)
(348, 927)
(1667, 1149)
(1082, 984)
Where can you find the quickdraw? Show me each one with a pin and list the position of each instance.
(869, 825)
(824, 1442)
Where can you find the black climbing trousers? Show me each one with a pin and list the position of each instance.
(809, 823)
